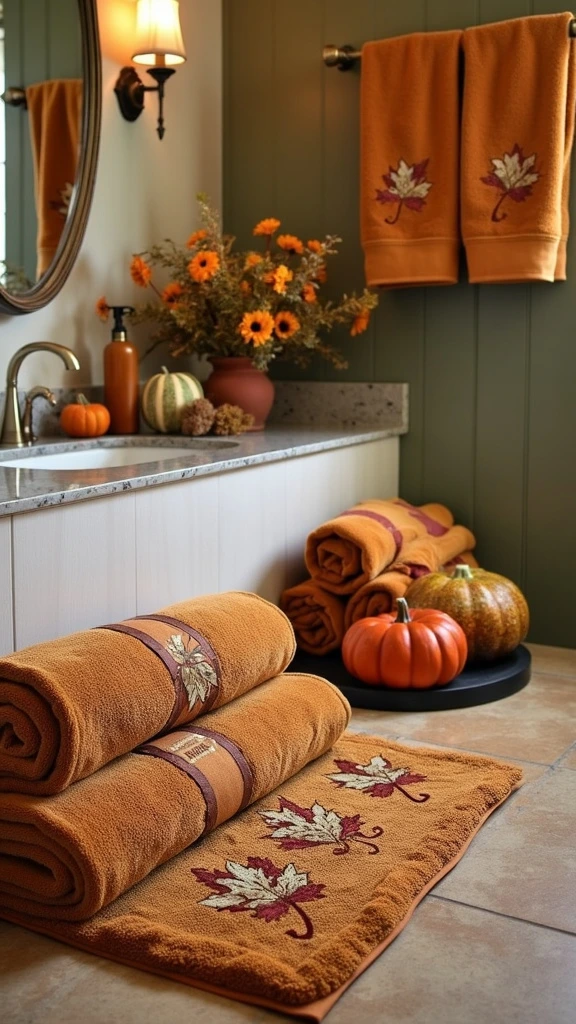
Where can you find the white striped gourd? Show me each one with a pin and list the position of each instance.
(165, 397)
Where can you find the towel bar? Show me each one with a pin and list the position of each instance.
(345, 57)
(15, 97)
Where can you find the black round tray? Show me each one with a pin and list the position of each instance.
(478, 685)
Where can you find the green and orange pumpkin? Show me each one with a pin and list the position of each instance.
(413, 650)
(491, 609)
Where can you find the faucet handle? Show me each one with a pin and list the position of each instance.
(38, 392)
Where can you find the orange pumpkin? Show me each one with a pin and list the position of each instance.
(415, 650)
(84, 418)
(490, 608)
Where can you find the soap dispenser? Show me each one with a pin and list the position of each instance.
(121, 377)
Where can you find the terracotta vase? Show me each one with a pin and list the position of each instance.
(235, 380)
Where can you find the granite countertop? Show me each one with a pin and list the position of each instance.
(24, 490)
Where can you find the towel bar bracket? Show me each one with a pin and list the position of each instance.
(346, 57)
(15, 97)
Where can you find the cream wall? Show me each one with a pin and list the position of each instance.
(145, 191)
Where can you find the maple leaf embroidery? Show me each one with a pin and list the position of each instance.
(301, 828)
(377, 778)
(514, 175)
(261, 886)
(195, 672)
(406, 186)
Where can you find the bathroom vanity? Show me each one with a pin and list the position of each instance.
(89, 534)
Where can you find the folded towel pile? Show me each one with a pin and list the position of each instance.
(361, 561)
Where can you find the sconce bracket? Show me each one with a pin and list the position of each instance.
(130, 92)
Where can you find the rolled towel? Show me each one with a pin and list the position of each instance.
(346, 552)
(316, 616)
(66, 856)
(69, 706)
(422, 556)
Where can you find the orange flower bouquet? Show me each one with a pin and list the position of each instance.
(262, 304)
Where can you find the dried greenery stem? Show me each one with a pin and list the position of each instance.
(262, 303)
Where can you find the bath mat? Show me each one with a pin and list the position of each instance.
(284, 905)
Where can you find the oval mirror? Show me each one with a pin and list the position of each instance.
(50, 81)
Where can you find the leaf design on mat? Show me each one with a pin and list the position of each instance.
(300, 828)
(261, 886)
(406, 186)
(514, 175)
(377, 778)
(198, 676)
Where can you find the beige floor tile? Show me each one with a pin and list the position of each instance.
(557, 661)
(44, 982)
(569, 759)
(451, 964)
(459, 965)
(538, 724)
(523, 862)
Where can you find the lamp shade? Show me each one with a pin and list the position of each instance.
(158, 33)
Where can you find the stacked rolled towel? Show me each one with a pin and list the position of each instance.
(422, 556)
(353, 548)
(64, 857)
(361, 561)
(70, 706)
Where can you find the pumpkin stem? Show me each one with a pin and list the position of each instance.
(81, 399)
(403, 610)
(462, 572)
(165, 370)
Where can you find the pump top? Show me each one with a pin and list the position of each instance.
(119, 330)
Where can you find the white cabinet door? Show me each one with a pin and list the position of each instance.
(176, 542)
(74, 568)
(252, 529)
(6, 624)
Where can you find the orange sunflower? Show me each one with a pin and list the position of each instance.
(285, 325)
(195, 237)
(267, 226)
(291, 244)
(360, 323)
(252, 260)
(256, 327)
(102, 308)
(309, 293)
(140, 272)
(314, 245)
(172, 293)
(203, 266)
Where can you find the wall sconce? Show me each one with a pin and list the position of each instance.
(158, 42)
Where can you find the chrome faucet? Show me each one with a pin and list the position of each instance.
(15, 433)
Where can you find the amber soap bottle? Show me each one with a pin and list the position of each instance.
(121, 377)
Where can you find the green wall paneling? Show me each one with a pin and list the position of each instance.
(491, 369)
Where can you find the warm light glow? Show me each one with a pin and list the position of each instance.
(158, 33)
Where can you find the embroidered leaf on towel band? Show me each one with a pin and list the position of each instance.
(406, 186)
(261, 886)
(514, 175)
(377, 778)
(197, 674)
(300, 828)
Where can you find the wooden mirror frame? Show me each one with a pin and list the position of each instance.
(52, 281)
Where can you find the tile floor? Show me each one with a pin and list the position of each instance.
(493, 943)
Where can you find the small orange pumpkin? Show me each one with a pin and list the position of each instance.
(415, 650)
(84, 418)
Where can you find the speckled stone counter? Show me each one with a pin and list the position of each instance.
(24, 490)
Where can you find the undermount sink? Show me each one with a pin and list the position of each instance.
(96, 455)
